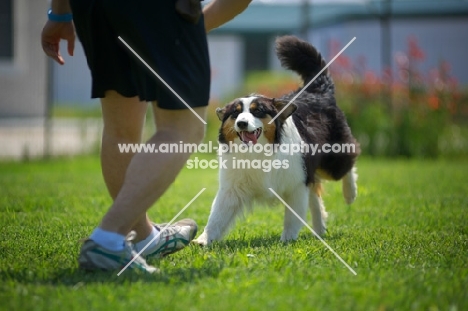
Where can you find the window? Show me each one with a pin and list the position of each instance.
(256, 52)
(6, 29)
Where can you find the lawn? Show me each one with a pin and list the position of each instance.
(406, 236)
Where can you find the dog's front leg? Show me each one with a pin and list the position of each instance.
(292, 224)
(226, 206)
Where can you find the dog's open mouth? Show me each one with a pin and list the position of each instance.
(250, 137)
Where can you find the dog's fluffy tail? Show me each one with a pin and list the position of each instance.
(300, 56)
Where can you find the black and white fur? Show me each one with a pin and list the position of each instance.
(313, 118)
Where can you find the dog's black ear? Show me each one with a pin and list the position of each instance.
(220, 112)
(280, 104)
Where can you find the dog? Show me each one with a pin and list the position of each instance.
(312, 119)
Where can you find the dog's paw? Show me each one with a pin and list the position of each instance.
(319, 224)
(288, 237)
(201, 240)
(320, 230)
(350, 194)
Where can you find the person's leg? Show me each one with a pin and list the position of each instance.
(147, 178)
(123, 124)
(150, 174)
(123, 119)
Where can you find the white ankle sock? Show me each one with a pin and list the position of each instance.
(109, 240)
(140, 245)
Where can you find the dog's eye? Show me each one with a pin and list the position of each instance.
(234, 115)
(258, 112)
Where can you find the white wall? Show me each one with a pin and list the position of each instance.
(227, 63)
(72, 81)
(23, 83)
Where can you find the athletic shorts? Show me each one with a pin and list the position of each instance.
(174, 48)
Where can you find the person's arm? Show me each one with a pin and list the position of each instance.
(219, 12)
(53, 32)
(60, 7)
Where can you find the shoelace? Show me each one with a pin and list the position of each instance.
(170, 230)
(129, 244)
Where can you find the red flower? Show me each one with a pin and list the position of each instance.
(414, 51)
(434, 102)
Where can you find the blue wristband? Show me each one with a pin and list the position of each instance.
(61, 18)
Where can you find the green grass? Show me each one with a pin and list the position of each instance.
(406, 236)
(60, 110)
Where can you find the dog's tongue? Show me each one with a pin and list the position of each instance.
(249, 137)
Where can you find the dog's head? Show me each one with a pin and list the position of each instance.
(247, 120)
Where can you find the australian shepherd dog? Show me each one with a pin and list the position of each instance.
(257, 137)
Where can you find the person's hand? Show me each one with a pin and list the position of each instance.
(52, 33)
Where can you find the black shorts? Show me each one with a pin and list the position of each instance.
(175, 48)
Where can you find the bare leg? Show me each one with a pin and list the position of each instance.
(124, 119)
(150, 174)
